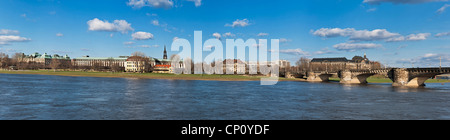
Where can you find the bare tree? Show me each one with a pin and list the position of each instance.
(55, 64)
(140, 54)
(115, 67)
(303, 64)
(96, 66)
(4, 60)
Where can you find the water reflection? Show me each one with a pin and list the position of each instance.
(55, 97)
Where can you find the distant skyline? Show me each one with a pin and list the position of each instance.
(394, 32)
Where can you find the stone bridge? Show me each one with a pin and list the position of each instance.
(410, 77)
(414, 77)
(312, 76)
(319, 76)
(360, 76)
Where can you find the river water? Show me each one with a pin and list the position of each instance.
(80, 98)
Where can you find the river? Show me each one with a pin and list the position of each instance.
(42, 97)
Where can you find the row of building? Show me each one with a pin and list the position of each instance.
(164, 65)
(131, 63)
(128, 63)
(342, 63)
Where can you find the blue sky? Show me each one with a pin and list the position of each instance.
(394, 32)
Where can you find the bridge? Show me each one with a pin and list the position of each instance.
(407, 77)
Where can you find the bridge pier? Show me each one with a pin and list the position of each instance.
(404, 78)
(318, 77)
(348, 77)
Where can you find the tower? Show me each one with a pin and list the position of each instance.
(165, 52)
(365, 56)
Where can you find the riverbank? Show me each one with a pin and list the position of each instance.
(182, 77)
(145, 75)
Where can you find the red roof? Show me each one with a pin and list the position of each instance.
(163, 66)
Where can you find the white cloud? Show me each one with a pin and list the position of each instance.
(295, 52)
(198, 3)
(128, 43)
(8, 32)
(166, 4)
(442, 34)
(217, 35)
(142, 36)
(411, 37)
(155, 22)
(366, 35)
(417, 37)
(148, 46)
(239, 23)
(117, 26)
(229, 34)
(11, 38)
(7, 39)
(430, 55)
(429, 60)
(349, 47)
(377, 34)
(401, 1)
(396, 39)
(335, 32)
(59, 35)
(442, 9)
(356, 35)
(263, 34)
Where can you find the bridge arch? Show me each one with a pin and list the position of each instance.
(415, 77)
(359, 77)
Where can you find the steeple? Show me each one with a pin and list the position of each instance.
(365, 55)
(165, 52)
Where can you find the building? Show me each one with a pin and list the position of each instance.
(137, 64)
(44, 59)
(342, 63)
(284, 64)
(163, 69)
(163, 65)
(87, 61)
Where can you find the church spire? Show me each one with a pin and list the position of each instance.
(165, 52)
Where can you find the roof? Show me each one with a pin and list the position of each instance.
(338, 59)
(233, 61)
(47, 56)
(163, 66)
(137, 58)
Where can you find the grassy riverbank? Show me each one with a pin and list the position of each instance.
(144, 75)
